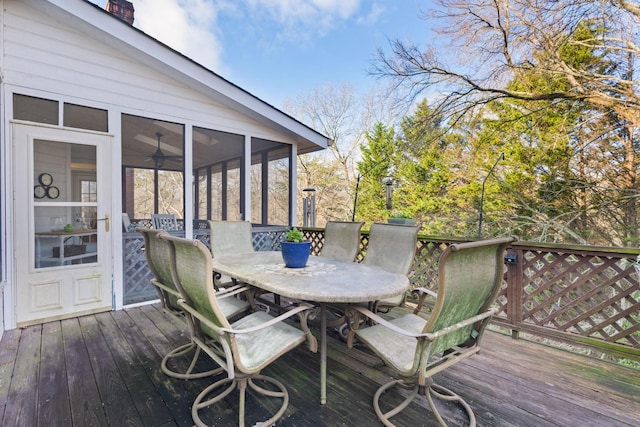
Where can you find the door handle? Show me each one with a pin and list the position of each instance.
(106, 221)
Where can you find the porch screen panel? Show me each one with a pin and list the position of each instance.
(256, 189)
(170, 194)
(270, 181)
(278, 190)
(201, 200)
(233, 183)
(140, 193)
(221, 153)
(216, 194)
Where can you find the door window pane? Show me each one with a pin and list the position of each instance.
(65, 204)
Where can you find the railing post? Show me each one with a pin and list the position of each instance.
(515, 271)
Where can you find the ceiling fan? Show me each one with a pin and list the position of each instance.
(159, 157)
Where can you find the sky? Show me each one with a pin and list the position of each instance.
(282, 49)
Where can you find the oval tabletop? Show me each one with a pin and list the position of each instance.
(322, 280)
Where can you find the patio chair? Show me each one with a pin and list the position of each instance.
(161, 260)
(341, 240)
(242, 348)
(469, 279)
(166, 222)
(392, 247)
(233, 238)
(126, 222)
(229, 238)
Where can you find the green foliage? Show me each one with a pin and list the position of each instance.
(570, 167)
(294, 235)
(378, 160)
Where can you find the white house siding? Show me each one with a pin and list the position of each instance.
(48, 55)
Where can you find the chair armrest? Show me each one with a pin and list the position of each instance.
(283, 316)
(422, 295)
(381, 321)
(193, 312)
(426, 291)
(233, 290)
(464, 323)
(165, 288)
(429, 336)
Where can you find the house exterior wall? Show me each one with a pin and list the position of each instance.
(41, 54)
(49, 56)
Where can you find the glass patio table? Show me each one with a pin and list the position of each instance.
(322, 281)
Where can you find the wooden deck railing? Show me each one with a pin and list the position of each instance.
(584, 295)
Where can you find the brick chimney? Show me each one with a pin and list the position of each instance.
(123, 9)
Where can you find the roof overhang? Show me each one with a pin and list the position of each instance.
(135, 43)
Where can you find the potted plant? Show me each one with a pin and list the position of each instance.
(401, 219)
(295, 249)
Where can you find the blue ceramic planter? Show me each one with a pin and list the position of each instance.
(296, 254)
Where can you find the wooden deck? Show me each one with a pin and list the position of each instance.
(103, 370)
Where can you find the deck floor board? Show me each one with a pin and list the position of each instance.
(53, 403)
(104, 370)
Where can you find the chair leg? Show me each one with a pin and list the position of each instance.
(444, 393)
(241, 383)
(188, 374)
(415, 390)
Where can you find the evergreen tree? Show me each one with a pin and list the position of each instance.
(378, 161)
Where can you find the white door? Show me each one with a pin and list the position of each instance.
(62, 210)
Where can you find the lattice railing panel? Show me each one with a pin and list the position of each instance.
(425, 264)
(316, 237)
(585, 294)
(136, 273)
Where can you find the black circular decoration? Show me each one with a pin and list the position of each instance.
(45, 179)
(39, 191)
(53, 192)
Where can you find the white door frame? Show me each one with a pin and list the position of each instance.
(81, 288)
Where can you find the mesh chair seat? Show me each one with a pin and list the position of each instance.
(256, 348)
(396, 349)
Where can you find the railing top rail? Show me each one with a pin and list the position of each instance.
(552, 247)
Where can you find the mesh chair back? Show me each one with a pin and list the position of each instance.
(341, 240)
(230, 237)
(159, 258)
(166, 222)
(195, 279)
(470, 276)
(392, 246)
(126, 222)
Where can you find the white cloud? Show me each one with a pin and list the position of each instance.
(301, 19)
(187, 26)
(191, 26)
(372, 17)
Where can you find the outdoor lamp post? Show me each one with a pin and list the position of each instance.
(309, 207)
(388, 181)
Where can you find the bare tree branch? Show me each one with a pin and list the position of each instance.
(498, 39)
